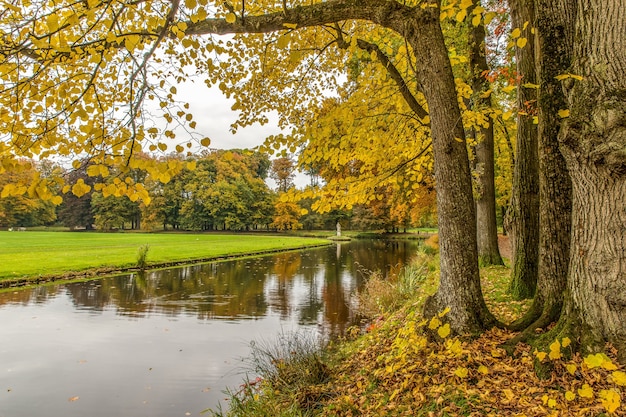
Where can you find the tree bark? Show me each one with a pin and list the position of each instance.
(524, 208)
(593, 142)
(459, 286)
(486, 225)
(553, 57)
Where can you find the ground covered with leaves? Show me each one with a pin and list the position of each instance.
(404, 365)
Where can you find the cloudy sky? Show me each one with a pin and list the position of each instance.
(213, 114)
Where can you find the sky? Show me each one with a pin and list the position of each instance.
(213, 115)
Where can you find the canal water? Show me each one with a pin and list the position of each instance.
(167, 343)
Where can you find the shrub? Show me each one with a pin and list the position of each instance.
(142, 256)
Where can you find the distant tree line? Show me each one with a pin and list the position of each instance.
(219, 190)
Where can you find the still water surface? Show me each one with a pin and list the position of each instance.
(168, 343)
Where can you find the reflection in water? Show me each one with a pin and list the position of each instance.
(240, 300)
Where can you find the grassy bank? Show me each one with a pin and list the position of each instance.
(41, 254)
(394, 368)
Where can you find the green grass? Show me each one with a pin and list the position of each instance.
(35, 254)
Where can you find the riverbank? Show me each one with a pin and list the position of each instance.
(35, 257)
(392, 368)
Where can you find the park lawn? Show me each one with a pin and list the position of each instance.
(36, 254)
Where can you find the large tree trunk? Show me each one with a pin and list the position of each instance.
(594, 145)
(459, 287)
(524, 209)
(553, 57)
(487, 230)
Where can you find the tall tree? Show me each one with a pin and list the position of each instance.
(524, 208)
(593, 142)
(283, 172)
(488, 251)
(554, 53)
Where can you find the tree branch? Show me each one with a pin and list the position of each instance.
(383, 12)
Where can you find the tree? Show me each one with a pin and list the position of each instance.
(524, 207)
(27, 208)
(487, 238)
(283, 172)
(287, 215)
(76, 211)
(554, 54)
(593, 142)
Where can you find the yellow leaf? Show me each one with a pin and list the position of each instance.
(585, 391)
(282, 42)
(562, 77)
(619, 378)
(290, 25)
(611, 400)
(80, 188)
(191, 165)
(530, 85)
(460, 16)
(509, 88)
(566, 342)
(7, 190)
(205, 142)
(466, 4)
(483, 369)
(444, 312)
(434, 323)
(455, 347)
(571, 368)
(57, 200)
(594, 361)
(563, 113)
(551, 403)
(489, 16)
(444, 331)
(516, 33)
(476, 20)
(521, 42)
(461, 372)
(569, 395)
(230, 18)
(555, 350)
(540, 355)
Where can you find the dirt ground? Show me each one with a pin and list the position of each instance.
(504, 245)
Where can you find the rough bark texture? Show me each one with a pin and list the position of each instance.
(553, 49)
(524, 209)
(459, 286)
(594, 145)
(487, 230)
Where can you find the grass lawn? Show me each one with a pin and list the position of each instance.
(34, 254)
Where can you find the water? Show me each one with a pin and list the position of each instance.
(168, 343)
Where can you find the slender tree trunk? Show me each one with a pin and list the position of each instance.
(593, 142)
(487, 230)
(524, 207)
(554, 41)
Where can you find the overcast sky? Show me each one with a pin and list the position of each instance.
(213, 115)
